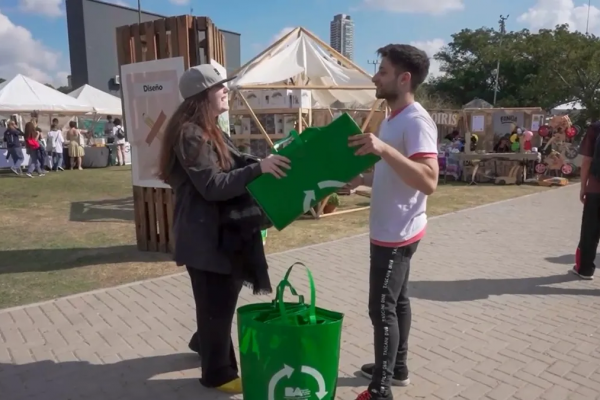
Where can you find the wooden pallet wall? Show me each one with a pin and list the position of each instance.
(197, 40)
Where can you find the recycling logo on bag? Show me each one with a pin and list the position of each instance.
(296, 393)
(310, 195)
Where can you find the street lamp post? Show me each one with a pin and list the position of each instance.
(502, 32)
(139, 11)
(374, 64)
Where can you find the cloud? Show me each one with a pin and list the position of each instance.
(54, 8)
(282, 33)
(549, 13)
(22, 54)
(431, 47)
(180, 2)
(435, 7)
(50, 8)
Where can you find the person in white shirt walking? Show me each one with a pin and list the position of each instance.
(119, 135)
(402, 180)
(56, 142)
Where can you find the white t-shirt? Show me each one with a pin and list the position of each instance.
(398, 215)
(115, 130)
(56, 141)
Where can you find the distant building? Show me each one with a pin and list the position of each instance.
(341, 36)
(92, 26)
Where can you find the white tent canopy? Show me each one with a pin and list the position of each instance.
(24, 95)
(102, 102)
(298, 54)
(573, 105)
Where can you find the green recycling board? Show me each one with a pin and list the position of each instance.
(289, 351)
(321, 162)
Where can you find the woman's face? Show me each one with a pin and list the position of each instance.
(219, 100)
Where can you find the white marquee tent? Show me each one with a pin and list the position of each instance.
(300, 54)
(567, 108)
(24, 95)
(102, 102)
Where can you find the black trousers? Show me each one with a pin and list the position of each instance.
(389, 309)
(216, 297)
(590, 235)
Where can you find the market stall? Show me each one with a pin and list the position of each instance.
(498, 145)
(104, 104)
(99, 156)
(24, 96)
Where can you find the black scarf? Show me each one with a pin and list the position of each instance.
(241, 221)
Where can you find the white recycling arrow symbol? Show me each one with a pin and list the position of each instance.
(286, 371)
(318, 377)
(310, 196)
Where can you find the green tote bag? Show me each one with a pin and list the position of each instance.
(321, 163)
(289, 350)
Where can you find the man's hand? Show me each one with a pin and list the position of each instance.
(356, 182)
(582, 195)
(367, 143)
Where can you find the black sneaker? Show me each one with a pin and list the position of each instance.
(584, 277)
(399, 379)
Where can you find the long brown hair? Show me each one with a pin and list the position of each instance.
(30, 132)
(194, 110)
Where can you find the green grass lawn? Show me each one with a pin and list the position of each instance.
(73, 231)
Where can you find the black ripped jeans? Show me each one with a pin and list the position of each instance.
(389, 309)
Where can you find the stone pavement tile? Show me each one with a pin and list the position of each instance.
(495, 316)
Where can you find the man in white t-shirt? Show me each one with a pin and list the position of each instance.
(402, 180)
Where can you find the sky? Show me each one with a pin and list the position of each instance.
(33, 33)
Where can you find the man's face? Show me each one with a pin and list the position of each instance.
(389, 82)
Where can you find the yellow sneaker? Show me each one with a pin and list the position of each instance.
(232, 387)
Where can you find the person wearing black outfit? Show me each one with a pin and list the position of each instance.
(216, 224)
(590, 197)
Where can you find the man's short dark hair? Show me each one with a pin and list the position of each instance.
(407, 58)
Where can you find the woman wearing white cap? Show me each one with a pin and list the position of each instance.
(216, 224)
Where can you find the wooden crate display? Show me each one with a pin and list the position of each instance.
(197, 40)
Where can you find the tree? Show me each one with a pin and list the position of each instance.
(431, 100)
(2, 80)
(568, 62)
(467, 66)
(542, 69)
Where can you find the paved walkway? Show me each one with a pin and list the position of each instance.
(495, 317)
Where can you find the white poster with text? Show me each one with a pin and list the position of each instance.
(150, 97)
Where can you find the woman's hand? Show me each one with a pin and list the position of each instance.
(275, 165)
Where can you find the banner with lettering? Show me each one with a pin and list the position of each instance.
(150, 97)
(506, 121)
(445, 118)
